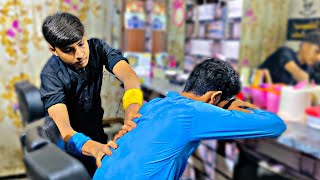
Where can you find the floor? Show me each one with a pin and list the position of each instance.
(10, 150)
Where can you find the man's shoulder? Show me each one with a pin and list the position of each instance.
(95, 41)
(285, 49)
(52, 66)
(280, 57)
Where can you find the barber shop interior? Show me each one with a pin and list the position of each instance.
(160, 89)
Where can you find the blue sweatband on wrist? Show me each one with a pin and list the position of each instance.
(76, 143)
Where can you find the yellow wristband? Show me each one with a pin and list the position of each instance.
(132, 96)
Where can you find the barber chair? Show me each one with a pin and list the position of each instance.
(32, 111)
(40, 140)
(44, 160)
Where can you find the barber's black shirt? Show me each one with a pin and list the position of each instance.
(276, 62)
(79, 89)
(315, 73)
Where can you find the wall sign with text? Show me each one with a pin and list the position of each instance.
(298, 28)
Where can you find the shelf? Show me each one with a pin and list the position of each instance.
(209, 20)
(204, 38)
(232, 39)
(234, 18)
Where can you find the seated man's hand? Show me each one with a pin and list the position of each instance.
(238, 105)
(99, 150)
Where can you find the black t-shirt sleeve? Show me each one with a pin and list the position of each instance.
(285, 55)
(110, 56)
(52, 91)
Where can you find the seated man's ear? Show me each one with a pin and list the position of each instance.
(215, 97)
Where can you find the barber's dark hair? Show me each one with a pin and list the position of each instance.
(313, 37)
(213, 75)
(62, 29)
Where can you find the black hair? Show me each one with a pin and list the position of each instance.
(213, 75)
(313, 38)
(62, 29)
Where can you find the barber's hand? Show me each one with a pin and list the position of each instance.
(98, 150)
(132, 112)
(128, 126)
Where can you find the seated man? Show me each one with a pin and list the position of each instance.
(171, 128)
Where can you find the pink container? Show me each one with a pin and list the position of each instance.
(273, 101)
(259, 97)
(246, 92)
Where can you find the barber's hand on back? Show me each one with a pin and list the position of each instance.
(131, 112)
(98, 150)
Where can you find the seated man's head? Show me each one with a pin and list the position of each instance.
(65, 34)
(212, 81)
(310, 48)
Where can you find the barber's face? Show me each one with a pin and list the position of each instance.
(76, 54)
(311, 53)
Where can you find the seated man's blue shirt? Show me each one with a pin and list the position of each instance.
(169, 131)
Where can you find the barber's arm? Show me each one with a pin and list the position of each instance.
(133, 98)
(78, 143)
(53, 95)
(296, 72)
(212, 122)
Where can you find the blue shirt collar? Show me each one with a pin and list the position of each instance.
(173, 94)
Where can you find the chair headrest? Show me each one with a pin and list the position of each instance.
(30, 104)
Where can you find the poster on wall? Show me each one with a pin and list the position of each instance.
(158, 17)
(135, 17)
(298, 28)
(303, 17)
(178, 12)
(134, 20)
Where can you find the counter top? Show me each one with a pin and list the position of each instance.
(297, 136)
(301, 137)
